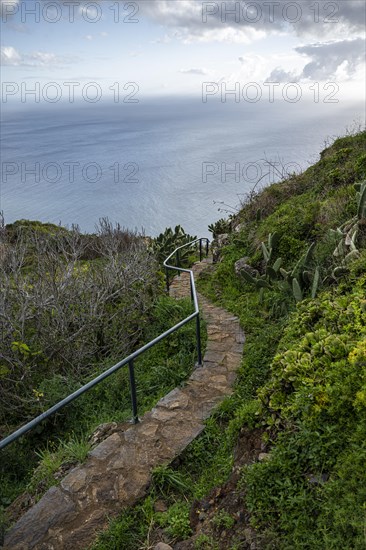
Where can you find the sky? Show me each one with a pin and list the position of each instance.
(126, 50)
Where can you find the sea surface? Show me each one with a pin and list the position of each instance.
(157, 163)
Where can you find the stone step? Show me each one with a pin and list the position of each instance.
(117, 472)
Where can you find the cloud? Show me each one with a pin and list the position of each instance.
(327, 58)
(9, 56)
(201, 72)
(163, 40)
(339, 60)
(91, 37)
(245, 21)
(252, 68)
(280, 75)
(12, 58)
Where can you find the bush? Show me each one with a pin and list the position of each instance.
(315, 404)
(61, 315)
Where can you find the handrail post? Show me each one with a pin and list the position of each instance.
(135, 418)
(200, 250)
(167, 279)
(177, 260)
(198, 336)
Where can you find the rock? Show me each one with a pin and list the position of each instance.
(222, 240)
(217, 244)
(35, 524)
(242, 265)
(64, 469)
(107, 447)
(317, 479)
(205, 505)
(215, 254)
(162, 546)
(102, 432)
(202, 516)
(263, 456)
(239, 227)
(244, 260)
(160, 506)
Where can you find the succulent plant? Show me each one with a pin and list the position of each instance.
(315, 285)
(347, 233)
(339, 272)
(220, 227)
(273, 239)
(258, 282)
(296, 290)
(166, 242)
(361, 199)
(296, 281)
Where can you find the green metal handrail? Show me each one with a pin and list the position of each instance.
(127, 360)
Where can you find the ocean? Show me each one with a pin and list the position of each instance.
(157, 163)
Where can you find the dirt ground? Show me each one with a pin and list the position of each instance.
(227, 500)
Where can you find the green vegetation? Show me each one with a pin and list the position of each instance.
(176, 521)
(223, 520)
(300, 395)
(72, 306)
(313, 406)
(302, 382)
(166, 242)
(220, 227)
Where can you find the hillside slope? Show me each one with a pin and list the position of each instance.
(282, 463)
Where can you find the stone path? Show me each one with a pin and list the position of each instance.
(118, 471)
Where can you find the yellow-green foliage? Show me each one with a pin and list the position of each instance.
(311, 384)
(302, 380)
(314, 406)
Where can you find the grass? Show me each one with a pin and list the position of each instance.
(27, 465)
(310, 492)
(302, 383)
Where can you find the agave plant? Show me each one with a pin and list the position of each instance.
(346, 235)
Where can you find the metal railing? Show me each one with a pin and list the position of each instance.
(130, 359)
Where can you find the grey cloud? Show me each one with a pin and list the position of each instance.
(280, 75)
(194, 18)
(326, 59)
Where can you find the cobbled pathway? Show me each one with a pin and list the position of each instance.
(118, 471)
